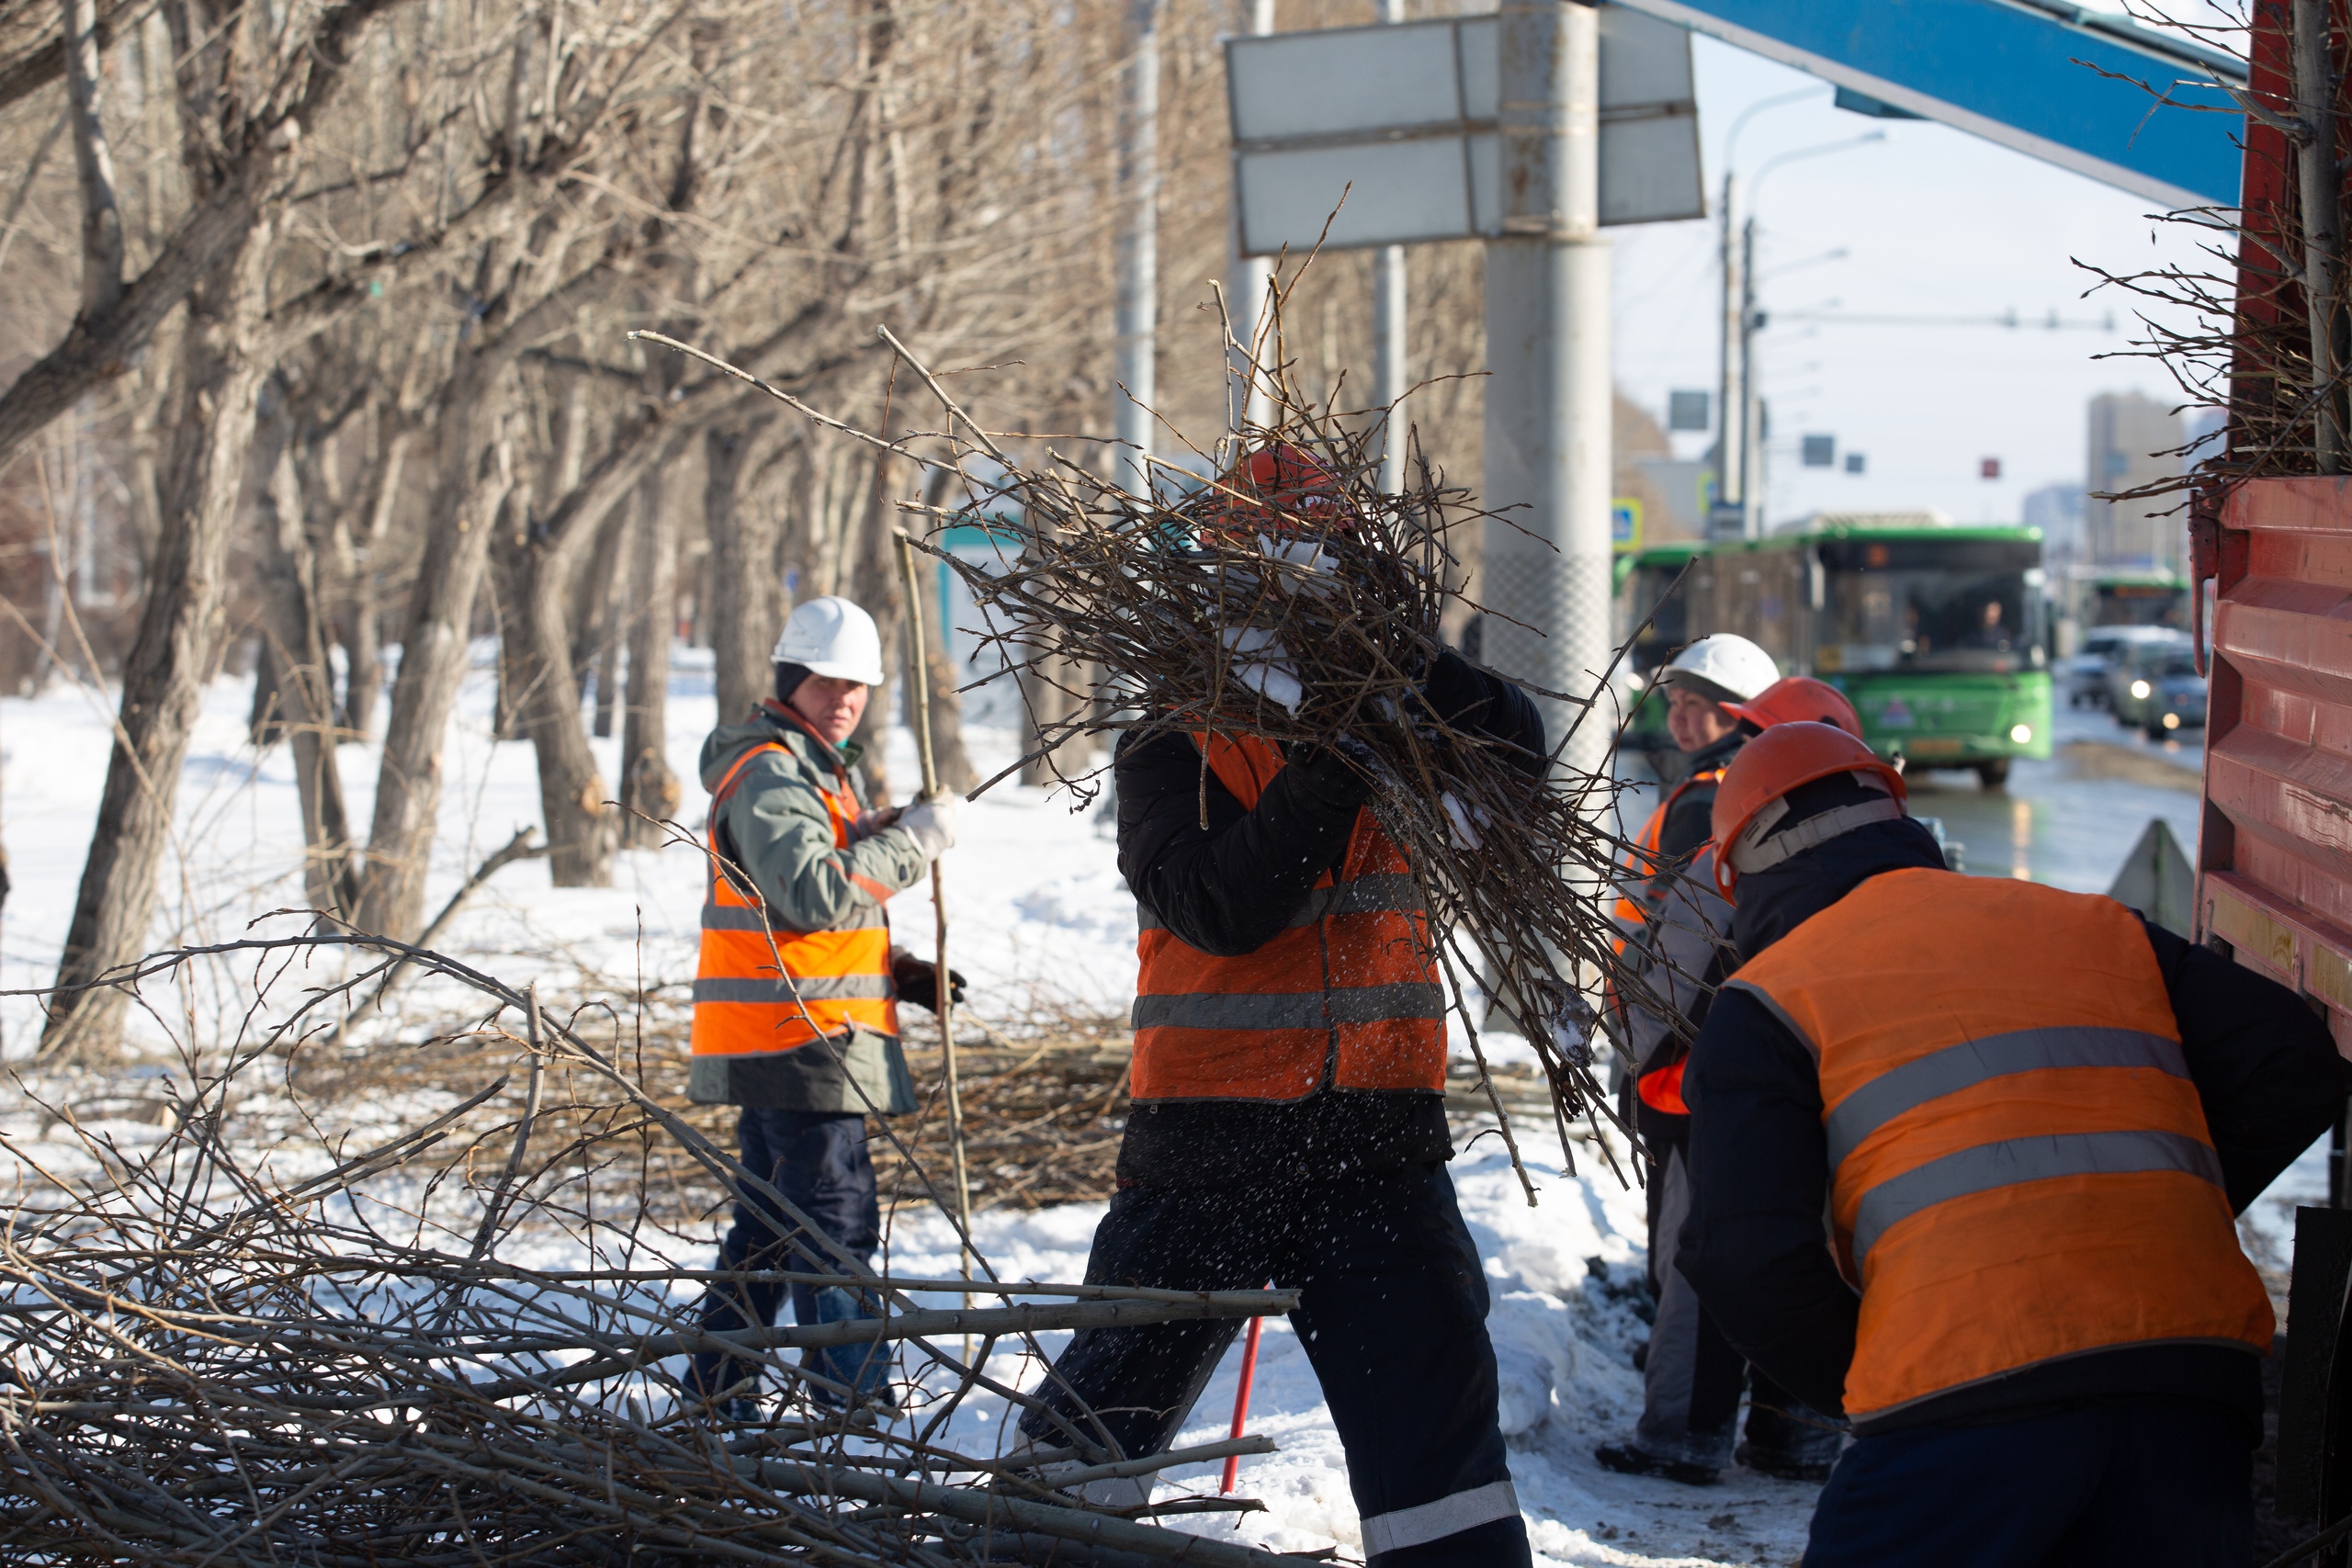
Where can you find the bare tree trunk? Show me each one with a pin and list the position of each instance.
(295, 639)
(945, 674)
(743, 618)
(161, 689)
(363, 617)
(476, 476)
(581, 827)
(596, 641)
(648, 789)
(875, 585)
(265, 716)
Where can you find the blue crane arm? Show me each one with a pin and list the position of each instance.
(2025, 74)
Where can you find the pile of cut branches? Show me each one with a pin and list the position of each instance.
(455, 1343)
(1302, 607)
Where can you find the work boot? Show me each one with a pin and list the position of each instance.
(1627, 1460)
(1785, 1467)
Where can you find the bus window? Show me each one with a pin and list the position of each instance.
(1669, 616)
(1927, 604)
(2140, 604)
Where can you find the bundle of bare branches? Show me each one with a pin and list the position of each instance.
(458, 1344)
(1295, 601)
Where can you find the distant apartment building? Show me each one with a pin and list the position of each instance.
(2057, 511)
(2134, 441)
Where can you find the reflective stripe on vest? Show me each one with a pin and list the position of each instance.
(1642, 862)
(2020, 1169)
(1345, 995)
(761, 988)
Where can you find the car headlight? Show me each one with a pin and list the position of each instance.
(2140, 690)
(2020, 735)
(2172, 721)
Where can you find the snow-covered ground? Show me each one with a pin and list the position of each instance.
(1037, 906)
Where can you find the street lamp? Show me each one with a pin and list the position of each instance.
(1731, 433)
(1751, 449)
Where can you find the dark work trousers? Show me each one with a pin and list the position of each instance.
(2122, 1485)
(1391, 1315)
(1692, 1378)
(818, 1161)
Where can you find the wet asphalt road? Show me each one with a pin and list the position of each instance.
(2069, 822)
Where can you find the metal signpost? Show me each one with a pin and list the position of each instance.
(1530, 130)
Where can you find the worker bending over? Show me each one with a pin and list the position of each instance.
(2030, 1117)
(795, 999)
(1288, 1117)
(1679, 948)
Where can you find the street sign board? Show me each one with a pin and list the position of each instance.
(2142, 107)
(1387, 133)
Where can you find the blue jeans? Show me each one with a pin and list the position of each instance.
(2128, 1484)
(818, 1161)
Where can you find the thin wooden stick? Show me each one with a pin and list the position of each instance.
(943, 993)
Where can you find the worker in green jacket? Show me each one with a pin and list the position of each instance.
(796, 997)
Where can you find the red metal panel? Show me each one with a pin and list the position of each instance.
(2275, 856)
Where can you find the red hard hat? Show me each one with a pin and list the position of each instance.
(1280, 488)
(1795, 699)
(1768, 768)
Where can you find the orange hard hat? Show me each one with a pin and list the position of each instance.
(1794, 699)
(1281, 488)
(1751, 799)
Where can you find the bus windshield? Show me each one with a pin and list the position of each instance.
(2140, 604)
(1913, 603)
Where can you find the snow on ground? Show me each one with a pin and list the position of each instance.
(1037, 908)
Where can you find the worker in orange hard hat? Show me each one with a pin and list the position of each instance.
(1282, 487)
(1288, 1118)
(2028, 1117)
(1724, 690)
(1796, 699)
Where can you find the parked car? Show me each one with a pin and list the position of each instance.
(2176, 696)
(2085, 674)
(2132, 675)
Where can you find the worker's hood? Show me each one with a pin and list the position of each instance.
(724, 744)
(1775, 901)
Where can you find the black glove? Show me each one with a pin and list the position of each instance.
(1454, 691)
(917, 980)
(1328, 778)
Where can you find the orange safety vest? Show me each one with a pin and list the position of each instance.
(1641, 861)
(2020, 1169)
(1660, 1090)
(760, 988)
(1347, 995)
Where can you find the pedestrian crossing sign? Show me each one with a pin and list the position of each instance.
(1625, 523)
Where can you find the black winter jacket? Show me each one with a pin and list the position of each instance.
(2265, 1068)
(1232, 886)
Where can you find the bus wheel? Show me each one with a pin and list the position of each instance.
(1994, 774)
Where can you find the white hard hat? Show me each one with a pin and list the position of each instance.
(832, 637)
(1733, 665)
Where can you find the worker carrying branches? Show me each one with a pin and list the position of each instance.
(1288, 1119)
(2029, 1116)
(795, 997)
(1722, 690)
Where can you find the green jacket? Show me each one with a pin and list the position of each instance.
(782, 838)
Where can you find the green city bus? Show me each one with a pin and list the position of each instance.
(1935, 632)
(2115, 598)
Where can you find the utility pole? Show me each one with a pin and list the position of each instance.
(1388, 335)
(1728, 516)
(1751, 409)
(1547, 427)
(1138, 249)
(1249, 402)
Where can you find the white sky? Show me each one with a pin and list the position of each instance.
(1934, 221)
